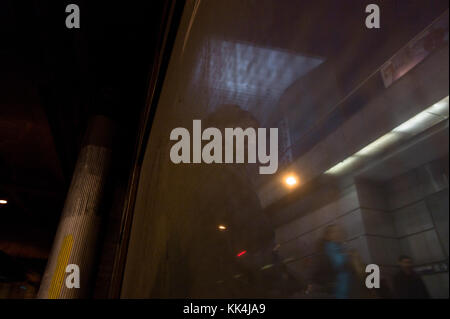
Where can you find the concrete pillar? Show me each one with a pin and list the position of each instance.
(76, 238)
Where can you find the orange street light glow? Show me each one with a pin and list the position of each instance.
(222, 227)
(3, 202)
(291, 180)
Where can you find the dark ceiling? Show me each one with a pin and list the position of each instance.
(51, 80)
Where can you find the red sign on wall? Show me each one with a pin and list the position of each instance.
(431, 39)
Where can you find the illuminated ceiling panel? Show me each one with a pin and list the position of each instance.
(248, 75)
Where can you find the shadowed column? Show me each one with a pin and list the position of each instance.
(76, 238)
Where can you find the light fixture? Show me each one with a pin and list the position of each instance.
(342, 166)
(379, 144)
(291, 180)
(3, 202)
(418, 123)
(222, 227)
(425, 119)
(440, 108)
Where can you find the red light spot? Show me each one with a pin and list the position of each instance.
(241, 253)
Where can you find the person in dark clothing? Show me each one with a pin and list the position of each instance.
(408, 284)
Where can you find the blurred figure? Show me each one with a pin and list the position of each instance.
(358, 287)
(407, 284)
(335, 272)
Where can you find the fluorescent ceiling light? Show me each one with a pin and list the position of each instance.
(440, 108)
(419, 123)
(379, 144)
(426, 119)
(342, 166)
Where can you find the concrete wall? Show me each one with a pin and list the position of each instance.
(299, 238)
(406, 215)
(418, 202)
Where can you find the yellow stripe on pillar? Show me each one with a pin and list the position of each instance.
(60, 270)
